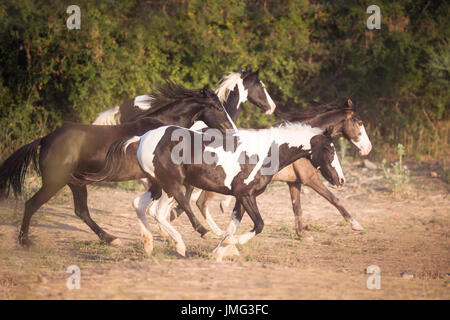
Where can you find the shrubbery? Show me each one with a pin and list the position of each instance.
(399, 75)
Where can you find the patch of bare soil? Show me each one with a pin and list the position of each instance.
(406, 232)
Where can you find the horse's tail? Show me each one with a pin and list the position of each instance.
(13, 169)
(107, 117)
(113, 163)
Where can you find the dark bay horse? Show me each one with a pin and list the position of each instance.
(345, 121)
(240, 170)
(76, 148)
(234, 90)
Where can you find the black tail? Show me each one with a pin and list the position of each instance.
(13, 169)
(113, 163)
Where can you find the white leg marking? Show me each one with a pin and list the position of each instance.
(165, 204)
(141, 204)
(212, 224)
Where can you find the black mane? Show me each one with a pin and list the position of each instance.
(168, 93)
(314, 109)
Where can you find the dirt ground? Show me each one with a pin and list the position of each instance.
(407, 231)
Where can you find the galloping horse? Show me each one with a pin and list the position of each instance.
(239, 170)
(234, 90)
(76, 148)
(345, 121)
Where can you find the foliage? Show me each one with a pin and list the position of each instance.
(400, 177)
(399, 75)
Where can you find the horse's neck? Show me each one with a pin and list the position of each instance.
(234, 102)
(179, 114)
(288, 155)
(326, 120)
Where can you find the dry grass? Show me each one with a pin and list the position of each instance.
(407, 234)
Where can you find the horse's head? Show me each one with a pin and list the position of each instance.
(353, 128)
(257, 93)
(324, 158)
(214, 113)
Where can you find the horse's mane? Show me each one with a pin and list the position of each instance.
(226, 84)
(314, 109)
(168, 93)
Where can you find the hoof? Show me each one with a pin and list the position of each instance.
(148, 245)
(222, 251)
(181, 249)
(116, 243)
(25, 242)
(206, 235)
(300, 233)
(356, 226)
(229, 240)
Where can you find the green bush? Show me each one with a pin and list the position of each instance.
(399, 75)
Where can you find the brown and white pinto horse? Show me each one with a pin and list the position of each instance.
(243, 170)
(82, 148)
(345, 121)
(234, 90)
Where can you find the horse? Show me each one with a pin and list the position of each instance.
(239, 170)
(234, 90)
(345, 121)
(76, 148)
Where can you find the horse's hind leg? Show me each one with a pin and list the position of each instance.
(202, 204)
(141, 205)
(44, 194)
(294, 190)
(82, 211)
(163, 207)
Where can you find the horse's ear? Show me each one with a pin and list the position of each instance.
(349, 104)
(248, 68)
(329, 131)
(206, 91)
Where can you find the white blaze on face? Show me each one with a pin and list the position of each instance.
(269, 99)
(337, 166)
(363, 144)
(143, 102)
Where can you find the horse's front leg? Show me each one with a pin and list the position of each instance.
(294, 190)
(249, 204)
(314, 182)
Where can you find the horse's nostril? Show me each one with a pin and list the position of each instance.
(342, 180)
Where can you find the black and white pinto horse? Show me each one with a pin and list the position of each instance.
(345, 122)
(234, 90)
(77, 148)
(243, 169)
